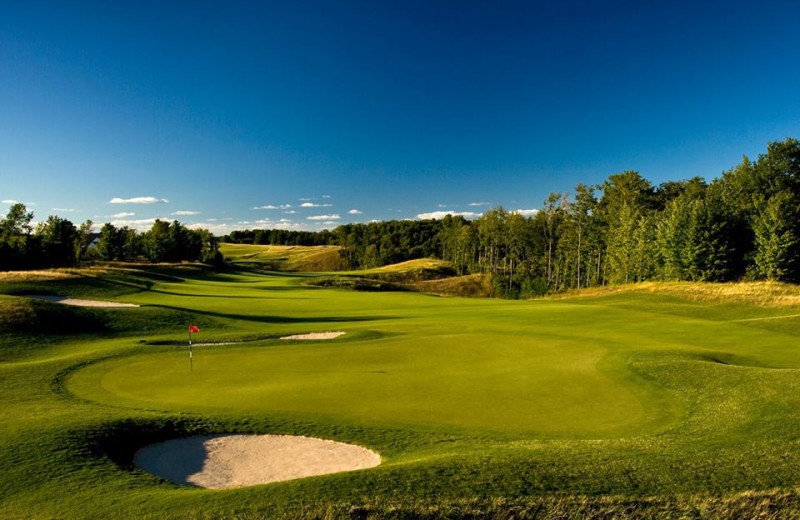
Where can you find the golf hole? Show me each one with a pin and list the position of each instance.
(231, 461)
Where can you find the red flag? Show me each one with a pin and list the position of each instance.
(192, 328)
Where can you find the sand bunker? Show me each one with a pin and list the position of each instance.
(314, 335)
(229, 461)
(79, 303)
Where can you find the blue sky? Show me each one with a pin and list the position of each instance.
(321, 113)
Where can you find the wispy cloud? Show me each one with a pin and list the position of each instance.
(355, 212)
(526, 212)
(324, 217)
(138, 200)
(185, 212)
(9, 201)
(438, 215)
(267, 206)
(280, 224)
(304, 198)
(326, 196)
(64, 210)
(478, 204)
(313, 205)
(124, 214)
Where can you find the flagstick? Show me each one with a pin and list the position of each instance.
(191, 363)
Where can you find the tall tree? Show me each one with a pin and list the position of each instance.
(776, 239)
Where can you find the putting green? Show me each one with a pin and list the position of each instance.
(474, 382)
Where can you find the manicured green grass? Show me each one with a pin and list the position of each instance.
(628, 403)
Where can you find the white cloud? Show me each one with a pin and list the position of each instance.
(313, 205)
(137, 200)
(326, 196)
(185, 212)
(324, 217)
(267, 206)
(290, 212)
(478, 204)
(373, 221)
(124, 214)
(328, 223)
(526, 212)
(305, 198)
(64, 210)
(441, 205)
(438, 215)
(10, 201)
(143, 224)
(355, 212)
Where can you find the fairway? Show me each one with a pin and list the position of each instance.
(630, 393)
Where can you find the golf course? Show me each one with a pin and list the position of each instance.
(645, 400)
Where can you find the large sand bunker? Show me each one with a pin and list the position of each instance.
(229, 461)
(79, 303)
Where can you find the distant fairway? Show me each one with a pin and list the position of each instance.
(631, 393)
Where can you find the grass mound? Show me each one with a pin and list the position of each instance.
(468, 286)
(355, 283)
(284, 258)
(41, 317)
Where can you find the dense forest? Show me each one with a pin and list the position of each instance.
(742, 225)
(58, 242)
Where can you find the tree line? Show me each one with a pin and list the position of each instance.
(742, 225)
(57, 242)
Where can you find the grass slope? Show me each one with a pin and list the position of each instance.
(634, 403)
(284, 258)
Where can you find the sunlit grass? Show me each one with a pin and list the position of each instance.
(656, 400)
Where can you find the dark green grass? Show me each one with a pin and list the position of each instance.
(636, 405)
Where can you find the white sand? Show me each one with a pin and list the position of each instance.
(315, 335)
(79, 303)
(229, 461)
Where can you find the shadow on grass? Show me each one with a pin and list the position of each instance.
(278, 319)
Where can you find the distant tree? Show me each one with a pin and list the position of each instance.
(110, 243)
(15, 231)
(56, 239)
(82, 240)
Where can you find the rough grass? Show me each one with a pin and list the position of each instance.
(284, 258)
(637, 403)
(468, 286)
(768, 294)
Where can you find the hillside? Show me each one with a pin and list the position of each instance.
(284, 258)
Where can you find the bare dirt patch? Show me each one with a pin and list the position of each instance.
(229, 461)
(80, 303)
